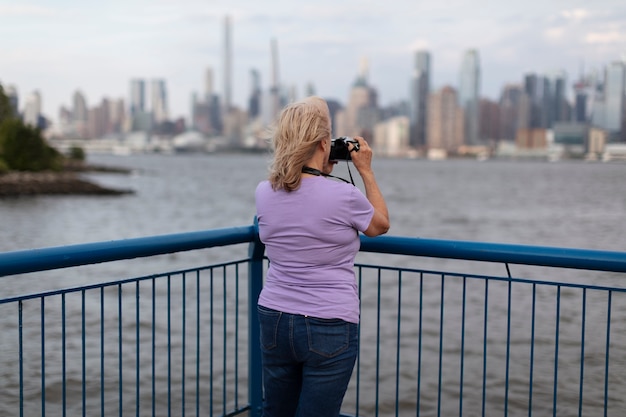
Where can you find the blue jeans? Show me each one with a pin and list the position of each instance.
(307, 363)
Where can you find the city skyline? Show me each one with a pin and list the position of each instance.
(321, 44)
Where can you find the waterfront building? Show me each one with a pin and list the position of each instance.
(361, 113)
(446, 121)
(228, 64)
(489, 126)
(420, 89)
(533, 138)
(391, 137)
(137, 96)
(254, 102)
(614, 98)
(469, 96)
(32, 109)
(160, 106)
(11, 92)
(510, 106)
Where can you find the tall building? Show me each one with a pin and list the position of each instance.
(209, 85)
(206, 112)
(137, 97)
(510, 111)
(469, 96)
(361, 112)
(140, 118)
(11, 93)
(32, 109)
(254, 102)
(228, 64)
(420, 89)
(275, 100)
(160, 111)
(79, 107)
(559, 106)
(446, 121)
(614, 97)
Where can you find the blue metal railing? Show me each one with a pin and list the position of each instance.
(461, 343)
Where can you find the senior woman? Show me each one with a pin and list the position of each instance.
(310, 224)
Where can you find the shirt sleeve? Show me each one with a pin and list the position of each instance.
(362, 210)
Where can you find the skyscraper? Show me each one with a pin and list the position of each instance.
(32, 109)
(137, 96)
(360, 115)
(469, 95)
(614, 91)
(254, 102)
(275, 102)
(79, 107)
(445, 120)
(160, 111)
(420, 89)
(228, 65)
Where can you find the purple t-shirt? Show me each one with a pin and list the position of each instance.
(311, 239)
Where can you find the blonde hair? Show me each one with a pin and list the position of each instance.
(300, 126)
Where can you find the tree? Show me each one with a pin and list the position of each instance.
(23, 148)
(6, 110)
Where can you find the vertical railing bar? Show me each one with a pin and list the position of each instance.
(608, 347)
(153, 347)
(236, 336)
(508, 349)
(485, 318)
(441, 315)
(398, 333)
(419, 344)
(582, 352)
(462, 365)
(224, 335)
(138, 349)
(358, 355)
(43, 359)
(377, 385)
(120, 350)
(63, 356)
(83, 351)
(211, 341)
(102, 388)
(197, 343)
(169, 345)
(532, 351)
(183, 342)
(556, 350)
(20, 342)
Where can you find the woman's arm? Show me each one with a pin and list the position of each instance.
(362, 160)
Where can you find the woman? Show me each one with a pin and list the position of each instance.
(309, 306)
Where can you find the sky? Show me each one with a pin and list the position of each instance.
(60, 46)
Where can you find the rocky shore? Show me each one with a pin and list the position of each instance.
(67, 182)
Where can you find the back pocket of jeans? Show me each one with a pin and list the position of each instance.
(268, 321)
(328, 337)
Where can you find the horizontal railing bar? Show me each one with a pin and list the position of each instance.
(26, 261)
(595, 260)
(33, 260)
(518, 280)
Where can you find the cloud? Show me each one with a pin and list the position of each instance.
(608, 37)
(25, 10)
(575, 15)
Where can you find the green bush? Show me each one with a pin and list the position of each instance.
(23, 148)
(76, 153)
(4, 168)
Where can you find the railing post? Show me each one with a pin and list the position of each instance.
(256, 251)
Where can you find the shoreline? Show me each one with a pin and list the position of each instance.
(66, 182)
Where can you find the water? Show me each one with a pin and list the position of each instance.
(565, 204)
